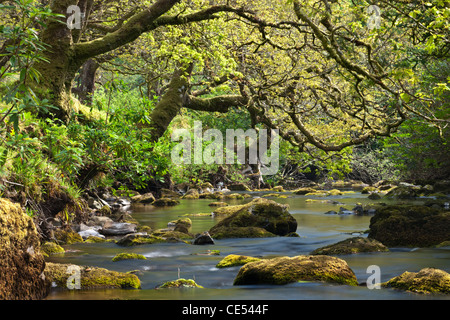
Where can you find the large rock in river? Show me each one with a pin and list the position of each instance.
(283, 270)
(352, 245)
(21, 262)
(427, 280)
(410, 225)
(260, 217)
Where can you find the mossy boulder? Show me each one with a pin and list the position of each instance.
(284, 270)
(351, 245)
(404, 192)
(90, 277)
(277, 189)
(260, 217)
(427, 280)
(410, 225)
(303, 191)
(238, 187)
(180, 283)
(367, 190)
(167, 193)
(218, 204)
(21, 261)
(165, 202)
(191, 194)
(128, 256)
(67, 236)
(235, 260)
(240, 232)
(181, 225)
(50, 248)
(146, 198)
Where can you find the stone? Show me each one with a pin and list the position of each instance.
(133, 239)
(261, 217)
(203, 238)
(238, 187)
(167, 193)
(180, 283)
(146, 198)
(410, 225)
(191, 194)
(374, 196)
(21, 261)
(218, 204)
(163, 202)
(128, 256)
(350, 246)
(303, 191)
(90, 277)
(117, 228)
(67, 236)
(404, 192)
(427, 280)
(284, 270)
(235, 260)
(182, 225)
(50, 248)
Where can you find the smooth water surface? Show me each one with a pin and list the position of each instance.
(168, 260)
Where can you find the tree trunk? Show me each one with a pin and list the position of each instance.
(86, 82)
(58, 73)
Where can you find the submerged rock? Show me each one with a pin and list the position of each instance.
(180, 283)
(21, 262)
(303, 191)
(352, 245)
(235, 260)
(427, 280)
(410, 225)
(218, 204)
(165, 202)
(128, 256)
(283, 270)
(139, 238)
(90, 277)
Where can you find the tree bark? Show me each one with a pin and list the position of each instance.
(86, 82)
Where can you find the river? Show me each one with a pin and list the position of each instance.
(316, 229)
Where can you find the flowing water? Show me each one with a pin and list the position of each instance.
(167, 261)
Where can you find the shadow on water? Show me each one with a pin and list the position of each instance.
(168, 260)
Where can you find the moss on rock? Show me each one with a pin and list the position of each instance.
(427, 280)
(137, 239)
(235, 260)
(128, 256)
(283, 270)
(21, 261)
(165, 202)
(410, 225)
(352, 245)
(303, 191)
(50, 248)
(67, 236)
(258, 218)
(180, 283)
(91, 277)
